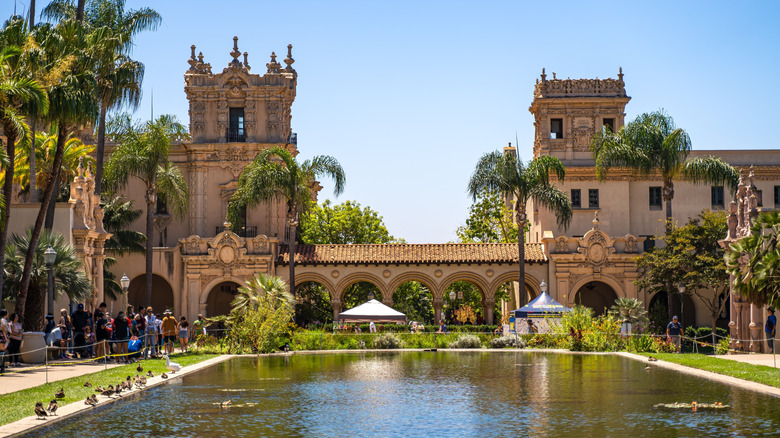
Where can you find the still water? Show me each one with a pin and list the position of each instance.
(410, 394)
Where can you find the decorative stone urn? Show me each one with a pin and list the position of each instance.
(33, 347)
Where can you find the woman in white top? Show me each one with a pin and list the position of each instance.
(16, 340)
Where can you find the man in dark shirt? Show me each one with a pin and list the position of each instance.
(101, 334)
(769, 328)
(80, 321)
(674, 333)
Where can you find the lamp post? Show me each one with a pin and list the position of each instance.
(681, 289)
(49, 256)
(125, 282)
(543, 287)
(452, 306)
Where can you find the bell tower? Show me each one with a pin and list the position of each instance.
(567, 112)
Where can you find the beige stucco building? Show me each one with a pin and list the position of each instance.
(235, 112)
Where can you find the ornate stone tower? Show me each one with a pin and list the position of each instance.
(568, 111)
(234, 115)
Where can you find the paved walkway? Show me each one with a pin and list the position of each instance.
(755, 359)
(17, 378)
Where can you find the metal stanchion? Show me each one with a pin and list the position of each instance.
(46, 364)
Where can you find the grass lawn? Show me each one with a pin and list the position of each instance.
(754, 373)
(18, 405)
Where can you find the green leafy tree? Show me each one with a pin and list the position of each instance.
(507, 175)
(652, 144)
(345, 223)
(489, 221)
(261, 314)
(275, 175)
(142, 152)
(632, 311)
(69, 275)
(416, 301)
(693, 257)
(754, 262)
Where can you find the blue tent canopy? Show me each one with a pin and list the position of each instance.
(543, 305)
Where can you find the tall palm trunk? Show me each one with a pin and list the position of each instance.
(10, 150)
(33, 188)
(151, 203)
(48, 224)
(80, 12)
(101, 148)
(21, 298)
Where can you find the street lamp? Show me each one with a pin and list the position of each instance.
(125, 282)
(452, 295)
(49, 256)
(543, 286)
(681, 289)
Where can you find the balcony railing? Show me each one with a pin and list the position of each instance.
(236, 135)
(248, 232)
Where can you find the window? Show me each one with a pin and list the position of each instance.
(777, 196)
(236, 130)
(593, 198)
(609, 123)
(576, 198)
(760, 197)
(655, 197)
(556, 128)
(717, 196)
(649, 243)
(162, 208)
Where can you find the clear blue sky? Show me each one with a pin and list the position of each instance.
(407, 95)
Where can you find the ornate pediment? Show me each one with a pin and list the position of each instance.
(596, 246)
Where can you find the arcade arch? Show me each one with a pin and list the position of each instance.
(597, 295)
(162, 294)
(220, 297)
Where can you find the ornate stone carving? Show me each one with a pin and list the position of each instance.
(233, 159)
(596, 246)
(222, 118)
(273, 122)
(561, 246)
(193, 245)
(198, 118)
(580, 87)
(631, 246)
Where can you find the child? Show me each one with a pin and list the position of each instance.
(184, 333)
(89, 338)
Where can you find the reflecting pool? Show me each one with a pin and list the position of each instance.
(502, 393)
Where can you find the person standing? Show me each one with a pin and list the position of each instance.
(371, 327)
(16, 340)
(532, 329)
(5, 331)
(674, 333)
(769, 329)
(184, 333)
(169, 331)
(80, 321)
(151, 333)
(101, 334)
(122, 335)
(140, 326)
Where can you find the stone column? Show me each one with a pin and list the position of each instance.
(438, 305)
(191, 295)
(387, 301)
(337, 305)
(197, 210)
(487, 310)
(756, 327)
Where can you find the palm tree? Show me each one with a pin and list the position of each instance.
(629, 310)
(71, 104)
(142, 152)
(262, 288)
(118, 76)
(69, 275)
(275, 174)
(652, 144)
(19, 96)
(506, 174)
(76, 153)
(118, 216)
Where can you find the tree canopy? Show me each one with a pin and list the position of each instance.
(344, 223)
(489, 221)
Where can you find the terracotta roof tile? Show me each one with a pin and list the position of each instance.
(412, 253)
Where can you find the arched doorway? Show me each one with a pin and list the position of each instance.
(162, 294)
(220, 297)
(359, 292)
(659, 313)
(463, 303)
(596, 295)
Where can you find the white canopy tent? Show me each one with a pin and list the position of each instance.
(372, 310)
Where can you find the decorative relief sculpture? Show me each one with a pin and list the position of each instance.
(580, 87)
(631, 246)
(596, 246)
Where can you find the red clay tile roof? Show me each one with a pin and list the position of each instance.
(412, 253)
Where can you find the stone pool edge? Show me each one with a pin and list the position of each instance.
(31, 423)
(720, 378)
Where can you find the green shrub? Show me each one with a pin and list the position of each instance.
(641, 344)
(467, 341)
(388, 341)
(723, 346)
(507, 341)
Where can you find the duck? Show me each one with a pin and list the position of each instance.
(108, 392)
(652, 359)
(172, 366)
(40, 411)
(142, 380)
(91, 400)
(100, 389)
(647, 367)
(150, 374)
(60, 393)
(140, 369)
(225, 404)
(164, 376)
(52, 409)
(87, 385)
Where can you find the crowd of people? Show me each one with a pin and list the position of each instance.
(82, 335)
